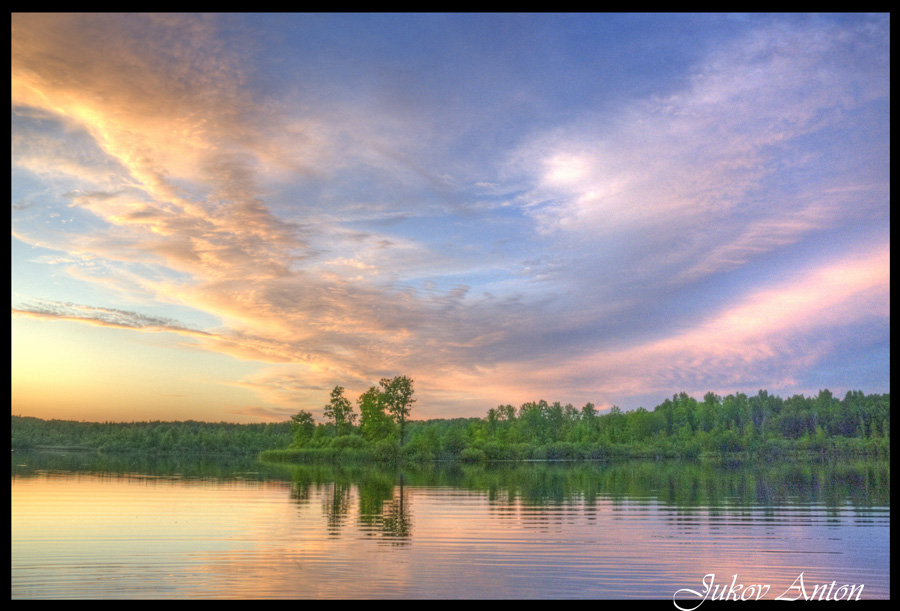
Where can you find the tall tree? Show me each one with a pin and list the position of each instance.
(374, 423)
(340, 411)
(398, 397)
(302, 428)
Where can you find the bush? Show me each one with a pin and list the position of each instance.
(387, 450)
(472, 455)
(563, 450)
(349, 441)
(493, 451)
(519, 451)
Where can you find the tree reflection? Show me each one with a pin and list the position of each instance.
(384, 510)
(300, 492)
(336, 507)
(551, 492)
(376, 501)
(379, 496)
(396, 521)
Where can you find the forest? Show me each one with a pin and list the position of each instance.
(154, 437)
(379, 427)
(760, 425)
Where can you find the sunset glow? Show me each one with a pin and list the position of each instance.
(221, 217)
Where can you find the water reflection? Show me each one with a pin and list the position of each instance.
(686, 496)
(686, 484)
(26, 463)
(238, 528)
(379, 493)
(377, 498)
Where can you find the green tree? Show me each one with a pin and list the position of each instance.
(374, 423)
(641, 424)
(340, 411)
(709, 411)
(554, 419)
(398, 398)
(302, 428)
(531, 422)
(614, 423)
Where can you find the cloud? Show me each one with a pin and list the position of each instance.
(341, 244)
(774, 333)
(107, 317)
(264, 413)
(703, 176)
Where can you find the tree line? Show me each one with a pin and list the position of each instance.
(184, 437)
(682, 426)
(379, 427)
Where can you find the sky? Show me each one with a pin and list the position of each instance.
(222, 217)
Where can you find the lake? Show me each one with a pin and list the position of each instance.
(93, 526)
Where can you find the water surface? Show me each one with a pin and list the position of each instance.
(85, 526)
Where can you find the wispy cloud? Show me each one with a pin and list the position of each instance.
(107, 317)
(771, 337)
(340, 242)
(706, 177)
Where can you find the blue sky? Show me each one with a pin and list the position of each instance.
(222, 217)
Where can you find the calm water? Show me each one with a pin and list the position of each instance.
(88, 527)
